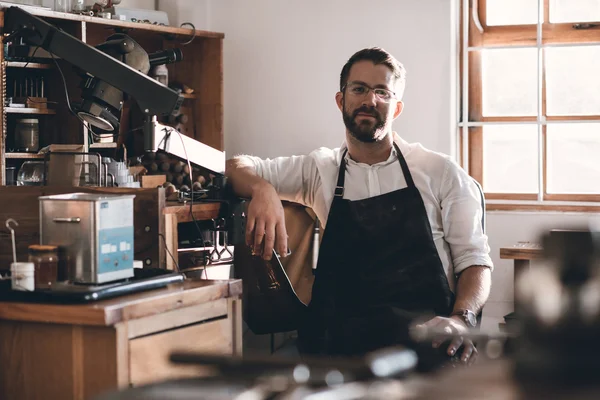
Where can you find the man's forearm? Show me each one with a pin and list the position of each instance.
(473, 288)
(242, 177)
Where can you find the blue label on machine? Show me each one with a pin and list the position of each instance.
(115, 249)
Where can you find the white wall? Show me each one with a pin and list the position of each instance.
(282, 65)
(147, 4)
(283, 59)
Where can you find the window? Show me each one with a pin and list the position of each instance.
(530, 98)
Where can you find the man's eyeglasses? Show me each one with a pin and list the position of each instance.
(360, 89)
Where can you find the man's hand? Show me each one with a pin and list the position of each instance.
(265, 227)
(452, 327)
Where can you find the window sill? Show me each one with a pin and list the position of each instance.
(551, 206)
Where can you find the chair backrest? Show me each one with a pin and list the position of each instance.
(482, 199)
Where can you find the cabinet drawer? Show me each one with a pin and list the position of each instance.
(149, 355)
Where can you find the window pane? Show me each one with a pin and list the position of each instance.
(573, 80)
(572, 161)
(509, 82)
(511, 12)
(574, 11)
(510, 159)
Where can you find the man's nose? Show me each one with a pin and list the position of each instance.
(370, 99)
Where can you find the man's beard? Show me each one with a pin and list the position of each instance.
(365, 131)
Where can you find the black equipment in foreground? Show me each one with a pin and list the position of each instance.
(282, 378)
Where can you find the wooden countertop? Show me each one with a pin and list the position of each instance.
(522, 251)
(124, 308)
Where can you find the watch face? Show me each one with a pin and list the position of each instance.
(470, 317)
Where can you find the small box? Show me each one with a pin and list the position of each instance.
(94, 231)
(153, 181)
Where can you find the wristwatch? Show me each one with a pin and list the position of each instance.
(468, 317)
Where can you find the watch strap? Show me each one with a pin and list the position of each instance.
(467, 316)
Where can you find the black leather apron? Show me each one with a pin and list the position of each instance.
(378, 270)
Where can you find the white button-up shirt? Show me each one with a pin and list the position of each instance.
(451, 197)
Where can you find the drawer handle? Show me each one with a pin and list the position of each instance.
(73, 220)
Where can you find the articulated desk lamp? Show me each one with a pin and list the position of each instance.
(113, 68)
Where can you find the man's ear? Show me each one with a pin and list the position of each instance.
(339, 98)
(398, 110)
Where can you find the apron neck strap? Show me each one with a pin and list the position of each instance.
(404, 166)
(339, 187)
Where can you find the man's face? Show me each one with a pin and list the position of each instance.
(367, 116)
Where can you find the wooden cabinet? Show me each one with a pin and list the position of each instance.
(201, 70)
(149, 355)
(51, 351)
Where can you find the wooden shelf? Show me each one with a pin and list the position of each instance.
(25, 156)
(23, 64)
(128, 25)
(25, 110)
(202, 211)
(112, 145)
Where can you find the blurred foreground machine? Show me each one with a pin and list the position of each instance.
(556, 352)
(554, 355)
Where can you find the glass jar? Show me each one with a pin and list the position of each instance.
(10, 173)
(45, 260)
(78, 6)
(27, 134)
(63, 5)
(31, 173)
(161, 74)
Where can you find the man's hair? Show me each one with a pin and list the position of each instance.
(377, 56)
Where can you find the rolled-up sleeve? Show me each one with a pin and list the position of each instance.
(292, 177)
(462, 214)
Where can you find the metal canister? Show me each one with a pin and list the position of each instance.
(95, 231)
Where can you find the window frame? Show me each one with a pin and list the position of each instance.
(481, 36)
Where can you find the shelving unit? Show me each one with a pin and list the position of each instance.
(26, 110)
(155, 223)
(24, 156)
(103, 146)
(201, 70)
(24, 64)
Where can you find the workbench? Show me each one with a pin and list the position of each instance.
(522, 254)
(175, 213)
(54, 351)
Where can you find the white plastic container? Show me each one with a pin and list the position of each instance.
(22, 276)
